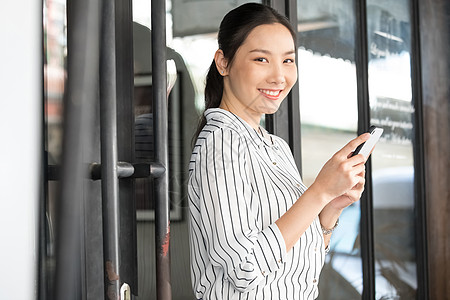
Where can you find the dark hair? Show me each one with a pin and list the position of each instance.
(233, 30)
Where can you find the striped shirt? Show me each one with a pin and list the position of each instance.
(240, 183)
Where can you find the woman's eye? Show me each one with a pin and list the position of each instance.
(261, 59)
(289, 60)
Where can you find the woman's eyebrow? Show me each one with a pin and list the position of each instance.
(269, 52)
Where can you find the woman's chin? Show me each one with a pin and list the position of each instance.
(270, 108)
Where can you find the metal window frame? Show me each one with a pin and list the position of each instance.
(366, 224)
(419, 156)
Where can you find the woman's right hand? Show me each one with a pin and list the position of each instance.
(341, 173)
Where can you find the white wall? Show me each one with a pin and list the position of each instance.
(20, 138)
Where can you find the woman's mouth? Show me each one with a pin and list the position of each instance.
(271, 94)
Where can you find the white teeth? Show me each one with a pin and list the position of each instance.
(270, 93)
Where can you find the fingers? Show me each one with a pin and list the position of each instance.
(359, 187)
(351, 146)
(355, 193)
(353, 166)
(360, 184)
(363, 173)
(340, 174)
(359, 170)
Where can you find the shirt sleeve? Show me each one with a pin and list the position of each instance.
(235, 243)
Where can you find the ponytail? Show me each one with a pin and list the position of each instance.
(213, 94)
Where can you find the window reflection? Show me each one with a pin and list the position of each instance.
(393, 172)
(328, 108)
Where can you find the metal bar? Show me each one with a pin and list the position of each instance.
(419, 157)
(125, 143)
(83, 60)
(160, 113)
(153, 170)
(108, 134)
(366, 229)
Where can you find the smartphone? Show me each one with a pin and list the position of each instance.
(366, 147)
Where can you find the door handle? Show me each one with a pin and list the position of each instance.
(129, 170)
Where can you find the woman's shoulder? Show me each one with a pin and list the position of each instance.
(219, 138)
(218, 131)
(222, 122)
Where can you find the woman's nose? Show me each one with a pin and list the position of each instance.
(276, 74)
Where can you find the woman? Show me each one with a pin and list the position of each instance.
(256, 231)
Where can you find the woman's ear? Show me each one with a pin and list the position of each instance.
(221, 62)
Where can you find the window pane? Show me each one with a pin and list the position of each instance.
(391, 108)
(328, 108)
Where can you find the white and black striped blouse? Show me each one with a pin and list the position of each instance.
(240, 183)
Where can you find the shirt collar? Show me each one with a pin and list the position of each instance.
(239, 124)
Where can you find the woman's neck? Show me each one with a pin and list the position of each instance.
(252, 119)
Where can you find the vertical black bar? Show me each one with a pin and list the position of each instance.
(366, 230)
(419, 157)
(93, 211)
(108, 133)
(125, 142)
(160, 114)
(83, 19)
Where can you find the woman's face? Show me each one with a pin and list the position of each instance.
(261, 74)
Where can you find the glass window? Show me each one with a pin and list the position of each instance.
(329, 116)
(389, 45)
(327, 83)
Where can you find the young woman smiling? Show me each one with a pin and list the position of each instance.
(256, 232)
